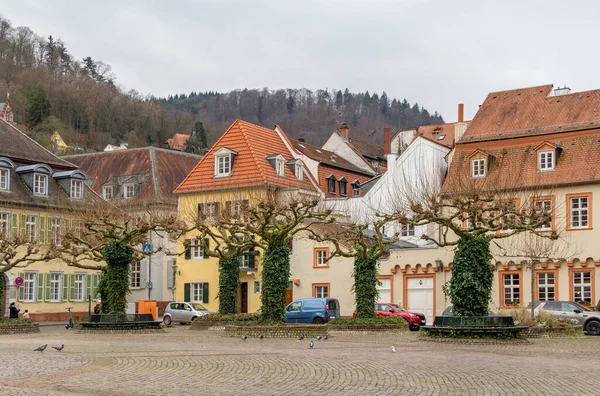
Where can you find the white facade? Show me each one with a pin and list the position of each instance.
(339, 145)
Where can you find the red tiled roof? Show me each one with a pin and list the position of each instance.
(178, 141)
(325, 157)
(441, 133)
(253, 144)
(531, 111)
(368, 149)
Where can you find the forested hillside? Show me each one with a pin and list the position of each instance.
(304, 113)
(51, 91)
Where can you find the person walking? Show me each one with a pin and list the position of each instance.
(14, 311)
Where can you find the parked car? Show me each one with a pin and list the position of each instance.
(415, 319)
(448, 312)
(183, 312)
(312, 310)
(567, 310)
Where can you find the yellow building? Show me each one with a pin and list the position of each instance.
(246, 165)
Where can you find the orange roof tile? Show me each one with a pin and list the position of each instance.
(531, 111)
(251, 168)
(440, 133)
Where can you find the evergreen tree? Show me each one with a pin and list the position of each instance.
(38, 107)
(197, 140)
(339, 100)
(259, 111)
(384, 103)
(291, 102)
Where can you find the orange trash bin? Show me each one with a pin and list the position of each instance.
(147, 307)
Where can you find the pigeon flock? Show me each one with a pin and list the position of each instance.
(42, 348)
(311, 344)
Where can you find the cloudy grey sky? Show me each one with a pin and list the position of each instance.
(437, 53)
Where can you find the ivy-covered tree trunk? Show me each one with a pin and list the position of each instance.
(229, 280)
(2, 291)
(275, 278)
(118, 258)
(472, 277)
(365, 285)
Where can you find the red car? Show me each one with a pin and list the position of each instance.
(415, 320)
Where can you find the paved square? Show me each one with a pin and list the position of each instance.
(189, 362)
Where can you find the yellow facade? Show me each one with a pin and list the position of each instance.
(198, 270)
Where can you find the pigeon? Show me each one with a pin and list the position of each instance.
(326, 337)
(393, 349)
(301, 337)
(244, 337)
(319, 338)
(41, 348)
(311, 344)
(59, 348)
(261, 336)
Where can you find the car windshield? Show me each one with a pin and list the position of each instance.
(398, 308)
(199, 307)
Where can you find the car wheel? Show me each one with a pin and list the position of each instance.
(593, 327)
(318, 320)
(167, 320)
(194, 318)
(413, 327)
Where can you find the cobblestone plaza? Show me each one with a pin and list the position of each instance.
(181, 361)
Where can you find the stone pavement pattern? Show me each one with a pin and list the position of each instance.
(182, 361)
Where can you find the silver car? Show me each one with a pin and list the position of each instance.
(567, 310)
(183, 312)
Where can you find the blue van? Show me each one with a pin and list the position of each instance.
(312, 310)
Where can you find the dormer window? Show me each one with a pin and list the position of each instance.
(356, 188)
(40, 184)
(128, 191)
(76, 189)
(277, 161)
(546, 160)
(108, 192)
(71, 182)
(478, 168)
(297, 167)
(279, 167)
(5, 166)
(223, 161)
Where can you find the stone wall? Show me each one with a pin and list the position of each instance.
(276, 331)
(19, 328)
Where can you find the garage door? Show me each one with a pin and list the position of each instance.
(419, 295)
(385, 290)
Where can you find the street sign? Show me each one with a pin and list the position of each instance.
(146, 247)
(149, 285)
(19, 281)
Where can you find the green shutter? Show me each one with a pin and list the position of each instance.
(94, 288)
(40, 287)
(206, 247)
(186, 292)
(22, 288)
(65, 285)
(42, 230)
(88, 286)
(72, 286)
(205, 292)
(49, 230)
(14, 225)
(22, 225)
(47, 287)
(188, 250)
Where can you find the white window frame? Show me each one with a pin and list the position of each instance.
(236, 208)
(210, 210)
(544, 286)
(321, 291)
(279, 167)
(108, 192)
(56, 230)
(321, 258)
(40, 184)
(581, 281)
(135, 274)
(76, 189)
(512, 290)
(544, 205)
(407, 230)
(244, 260)
(478, 167)
(299, 171)
(126, 190)
(4, 179)
(79, 287)
(5, 225)
(30, 285)
(31, 228)
(223, 165)
(546, 160)
(56, 286)
(196, 249)
(580, 212)
(197, 292)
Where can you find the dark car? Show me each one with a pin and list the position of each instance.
(312, 310)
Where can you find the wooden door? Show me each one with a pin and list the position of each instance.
(244, 297)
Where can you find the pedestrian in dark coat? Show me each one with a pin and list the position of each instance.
(14, 311)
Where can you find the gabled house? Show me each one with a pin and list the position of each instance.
(248, 164)
(38, 191)
(539, 145)
(177, 142)
(139, 180)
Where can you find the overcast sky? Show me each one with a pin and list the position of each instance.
(437, 53)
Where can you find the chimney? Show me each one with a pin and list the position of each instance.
(344, 130)
(461, 112)
(387, 141)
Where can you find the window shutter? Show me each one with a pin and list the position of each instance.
(143, 271)
(22, 225)
(200, 209)
(228, 208)
(217, 206)
(252, 261)
(47, 287)
(170, 274)
(49, 229)
(205, 292)
(188, 250)
(65, 285)
(13, 225)
(186, 292)
(95, 290)
(88, 286)
(72, 287)
(42, 230)
(206, 247)
(40, 287)
(22, 288)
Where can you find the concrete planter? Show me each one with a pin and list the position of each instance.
(19, 328)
